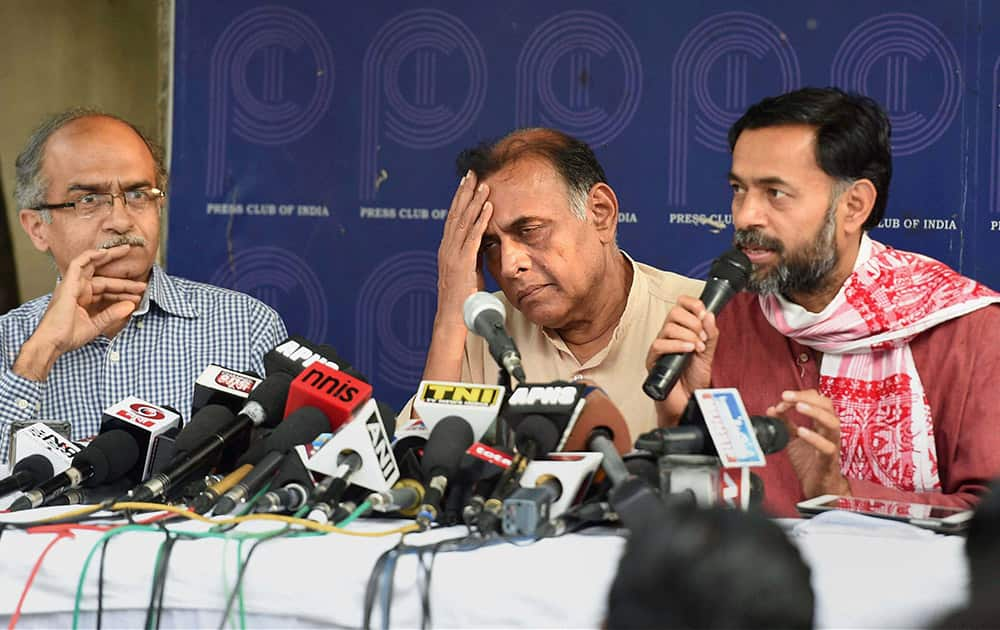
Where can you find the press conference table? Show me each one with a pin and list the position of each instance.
(866, 573)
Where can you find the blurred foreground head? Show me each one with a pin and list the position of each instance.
(714, 568)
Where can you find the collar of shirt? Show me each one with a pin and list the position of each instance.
(163, 292)
(637, 304)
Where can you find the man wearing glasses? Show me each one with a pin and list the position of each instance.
(90, 188)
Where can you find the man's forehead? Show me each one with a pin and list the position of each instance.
(771, 152)
(97, 143)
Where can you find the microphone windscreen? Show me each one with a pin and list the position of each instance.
(447, 443)
(599, 412)
(300, 427)
(271, 394)
(36, 465)
(479, 302)
(772, 433)
(538, 429)
(734, 267)
(112, 454)
(210, 419)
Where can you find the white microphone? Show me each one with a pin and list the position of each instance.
(478, 405)
(484, 315)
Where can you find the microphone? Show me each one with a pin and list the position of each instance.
(694, 439)
(405, 497)
(527, 509)
(91, 496)
(107, 458)
(217, 385)
(27, 473)
(728, 276)
(208, 497)
(153, 429)
(442, 455)
(263, 408)
(364, 434)
(484, 315)
(39, 438)
(328, 492)
(599, 417)
(559, 401)
(296, 353)
(478, 405)
(535, 436)
(299, 428)
(293, 485)
(335, 393)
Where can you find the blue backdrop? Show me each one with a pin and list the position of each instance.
(314, 142)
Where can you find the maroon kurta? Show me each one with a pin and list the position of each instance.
(958, 362)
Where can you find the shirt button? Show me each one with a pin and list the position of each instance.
(803, 358)
(138, 324)
(114, 356)
(22, 403)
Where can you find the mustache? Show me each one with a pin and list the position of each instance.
(123, 239)
(755, 239)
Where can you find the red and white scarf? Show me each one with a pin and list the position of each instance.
(886, 429)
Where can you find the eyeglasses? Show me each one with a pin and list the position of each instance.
(138, 201)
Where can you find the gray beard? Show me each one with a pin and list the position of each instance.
(807, 272)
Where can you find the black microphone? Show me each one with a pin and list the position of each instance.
(327, 494)
(27, 473)
(92, 496)
(729, 274)
(536, 436)
(264, 407)
(694, 439)
(109, 456)
(301, 427)
(293, 484)
(484, 315)
(448, 441)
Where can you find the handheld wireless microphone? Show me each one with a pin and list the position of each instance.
(728, 276)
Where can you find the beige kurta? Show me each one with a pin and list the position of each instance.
(619, 368)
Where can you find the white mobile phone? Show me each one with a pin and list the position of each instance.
(948, 520)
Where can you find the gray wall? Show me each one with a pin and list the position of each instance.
(58, 54)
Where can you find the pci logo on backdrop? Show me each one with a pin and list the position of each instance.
(902, 60)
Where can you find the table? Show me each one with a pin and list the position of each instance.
(866, 573)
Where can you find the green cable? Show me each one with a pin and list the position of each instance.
(239, 571)
(358, 511)
(239, 536)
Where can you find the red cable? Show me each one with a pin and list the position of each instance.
(34, 572)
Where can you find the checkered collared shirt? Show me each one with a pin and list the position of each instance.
(180, 327)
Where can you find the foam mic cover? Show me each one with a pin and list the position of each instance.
(536, 435)
(448, 441)
(266, 404)
(28, 472)
(111, 455)
(598, 413)
(772, 433)
(209, 419)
